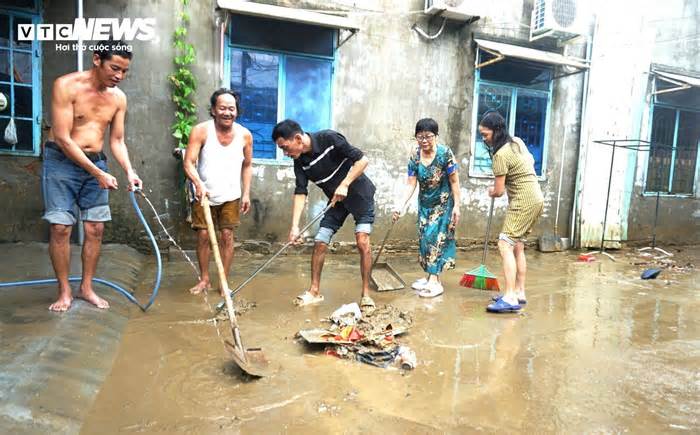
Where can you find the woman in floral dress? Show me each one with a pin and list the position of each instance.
(432, 167)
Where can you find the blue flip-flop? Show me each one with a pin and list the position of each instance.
(501, 306)
(651, 273)
(499, 296)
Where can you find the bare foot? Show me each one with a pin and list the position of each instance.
(202, 286)
(62, 304)
(95, 300)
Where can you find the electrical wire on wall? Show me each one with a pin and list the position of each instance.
(422, 33)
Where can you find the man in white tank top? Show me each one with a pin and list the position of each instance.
(218, 161)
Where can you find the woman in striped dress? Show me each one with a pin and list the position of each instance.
(514, 172)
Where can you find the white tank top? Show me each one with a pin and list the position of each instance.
(219, 166)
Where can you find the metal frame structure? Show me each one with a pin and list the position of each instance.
(637, 145)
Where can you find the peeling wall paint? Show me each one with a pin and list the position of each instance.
(612, 101)
(619, 108)
(386, 78)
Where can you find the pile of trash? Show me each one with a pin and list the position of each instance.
(648, 258)
(366, 337)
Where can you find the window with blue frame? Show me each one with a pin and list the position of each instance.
(281, 70)
(521, 92)
(675, 138)
(20, 82)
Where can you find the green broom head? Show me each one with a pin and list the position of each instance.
(480, 278)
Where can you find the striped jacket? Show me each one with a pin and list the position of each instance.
(515, 162)
(327, 164)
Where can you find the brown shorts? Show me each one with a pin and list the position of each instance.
(519, 222)
(226, 215)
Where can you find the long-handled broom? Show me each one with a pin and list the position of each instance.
(481, 278)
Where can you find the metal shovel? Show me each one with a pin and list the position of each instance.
(251, 361)
(383, 276)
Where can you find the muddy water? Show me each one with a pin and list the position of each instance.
(596, 350)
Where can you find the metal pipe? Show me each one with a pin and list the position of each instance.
(607, 198)
(488, 232)
(79, 51)
(581, 162)
(318, 217)
(79, 6)
(561, 177)
(222, 42)
(656, 217)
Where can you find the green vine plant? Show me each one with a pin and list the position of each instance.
(183, 81)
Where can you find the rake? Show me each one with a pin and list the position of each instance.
(481, 278)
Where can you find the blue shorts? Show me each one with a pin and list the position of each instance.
(335, 217)
(66, 185)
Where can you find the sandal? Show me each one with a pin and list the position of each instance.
(307, 298)
(500, 296)
(367, 305)
(432, 291)
(419, 284)
(501, 306)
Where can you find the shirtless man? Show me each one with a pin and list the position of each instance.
(83, 105)
(218, 162)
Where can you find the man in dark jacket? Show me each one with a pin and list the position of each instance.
(329, 161)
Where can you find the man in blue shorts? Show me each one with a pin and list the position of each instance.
(329, 161)
(83, 105)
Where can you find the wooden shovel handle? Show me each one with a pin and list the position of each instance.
(222, 273)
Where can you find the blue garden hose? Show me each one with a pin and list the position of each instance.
(114, 286)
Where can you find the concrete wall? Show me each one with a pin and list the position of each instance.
(150, 114)
(676, 45)
(626, 43)
(386, 78)
(615, 92)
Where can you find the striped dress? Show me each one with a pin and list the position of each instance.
(525, 199)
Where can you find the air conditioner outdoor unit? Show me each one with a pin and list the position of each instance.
(459, 10)
(560, 19)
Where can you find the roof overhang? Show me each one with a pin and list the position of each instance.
(288, 14)
(502, 50)
(681, 81)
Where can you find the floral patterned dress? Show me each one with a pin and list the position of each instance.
(437, 242)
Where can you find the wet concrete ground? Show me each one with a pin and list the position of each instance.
(596, 350)
(52, 365)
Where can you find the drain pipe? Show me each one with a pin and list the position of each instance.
(79, 7)
(221, 22)
(79, 51)
(575, 214)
